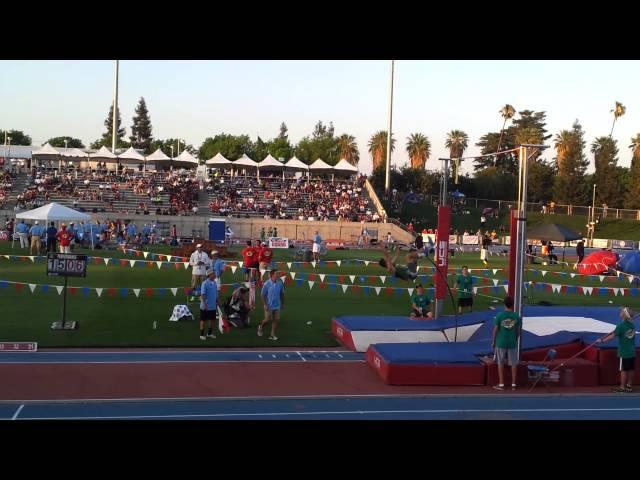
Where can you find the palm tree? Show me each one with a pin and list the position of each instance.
(563, 144)
(419, 150)
(457, 142)
(378, 148)
(618, 111)
(507, 112)
(348, 148)
(635, 146)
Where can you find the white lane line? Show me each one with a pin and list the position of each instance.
(345, 412)
(302, 357)
(340, 355)
(15, 415)
(259, 356)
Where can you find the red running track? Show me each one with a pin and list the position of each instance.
(233, 379)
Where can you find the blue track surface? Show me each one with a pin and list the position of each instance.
(487, 407)
(181, 356)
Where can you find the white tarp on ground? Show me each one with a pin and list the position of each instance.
(295, 164)
(551, 325)
(344, 166)
(54, 212)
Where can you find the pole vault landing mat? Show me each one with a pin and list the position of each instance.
(357, 333)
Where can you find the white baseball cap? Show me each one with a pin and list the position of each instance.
(214, 252)
(36, 222)
(199, 245)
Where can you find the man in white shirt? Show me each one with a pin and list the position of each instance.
(198, 261)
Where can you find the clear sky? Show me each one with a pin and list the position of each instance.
(197, 99)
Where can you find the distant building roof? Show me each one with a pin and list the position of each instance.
(16, 151)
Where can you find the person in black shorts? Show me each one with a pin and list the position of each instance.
(402, 272)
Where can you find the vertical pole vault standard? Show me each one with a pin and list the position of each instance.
(387, 170)
(442, 241)
(114, 127)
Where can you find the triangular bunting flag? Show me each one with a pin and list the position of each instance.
(59, 288)
(321, 275)
(106, 261)
(240, 264)
(174, 291)
(410, 291)
(159, 264)
(587, 290)
(293, 275)
(339, 262)
(32, 287)
(169, 257)
(352, 278)
(494, 270)
(506, 288)
(233, 269)
(366, 263)
(289, 265)
(132, 263)
(377, 289)
(572, 275)
(311, 284)
(344, 288)
(99, 292)
(616, 291)
(137, 292)
(314, 264)
(186, 265)
(32, 259)
(145, 254)
(495, 282)
(543, 272)
(382, 278)
(601, 277)
(475, 290)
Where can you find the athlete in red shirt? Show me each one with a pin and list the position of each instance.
(265, 256)
(250, 259)
(64, 239)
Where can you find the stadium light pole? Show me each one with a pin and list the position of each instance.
(114, 126)
(387, 172)
(592, 222)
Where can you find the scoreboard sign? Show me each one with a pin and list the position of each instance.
(67, 265)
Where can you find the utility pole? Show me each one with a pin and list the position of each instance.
(387, 173)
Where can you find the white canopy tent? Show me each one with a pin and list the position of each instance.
(73, 153)
(270, 164)
(219, 161)
(295, 164)
(244, 162)
(345, 167)
(156, 157)
(53, 212)
(186, 160)
(104, 155)
(46, 151)
(320, 166)
(132, 154)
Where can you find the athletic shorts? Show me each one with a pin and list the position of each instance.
(248, 268)
(627, 364)
(208, 315)
(315, 248)
(272, 314)
(465, 302)
(483, 254)
(510, 354)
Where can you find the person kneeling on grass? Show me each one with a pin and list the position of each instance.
(208, 303)
(237, 308)
(505, 341)
(420, 304)
(399, 271)
(273, 300)
(626, 333)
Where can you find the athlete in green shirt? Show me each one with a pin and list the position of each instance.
(420, 304)
(505, 342)
(402, 272)
(464, 284)
(626, 333)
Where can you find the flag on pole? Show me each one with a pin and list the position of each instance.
(223, 325)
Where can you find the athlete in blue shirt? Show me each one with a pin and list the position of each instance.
(208, 303)
(273, 300)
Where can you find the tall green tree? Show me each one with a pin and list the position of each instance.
(230, 146)
(141, 128)
(457, 142)
(632, 197)
(59, 142)
(608, 188)
(280, 147)
(320, 144)
(540, 180)
(17, 137)
(348, 148)
(260, 150)
(419, 150)
(507, 113)
(378, 148)
(106, 139)
(570, 186)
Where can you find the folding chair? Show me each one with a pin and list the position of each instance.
(542, 372)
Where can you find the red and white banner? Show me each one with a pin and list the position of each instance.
(333, 244)
(278, 242)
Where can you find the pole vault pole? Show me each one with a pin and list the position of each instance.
(442, 241)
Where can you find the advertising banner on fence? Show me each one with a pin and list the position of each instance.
(470, 240)
(600, 243)
(278, 242)
(624, 244)
(334, 244)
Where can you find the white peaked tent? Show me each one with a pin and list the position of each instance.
(53, 212)
(295, 164)
(270, 163)
(132, 155)
(73, 153)
(185, 159)
(320, 166)
(219, 161)
(156, 157)
(245, 162)
(345, 167)
(103, 154)
(46, 149)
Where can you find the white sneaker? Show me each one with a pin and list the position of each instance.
(259, 332)
(211, 335)
(273, 337)
(202, 337)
